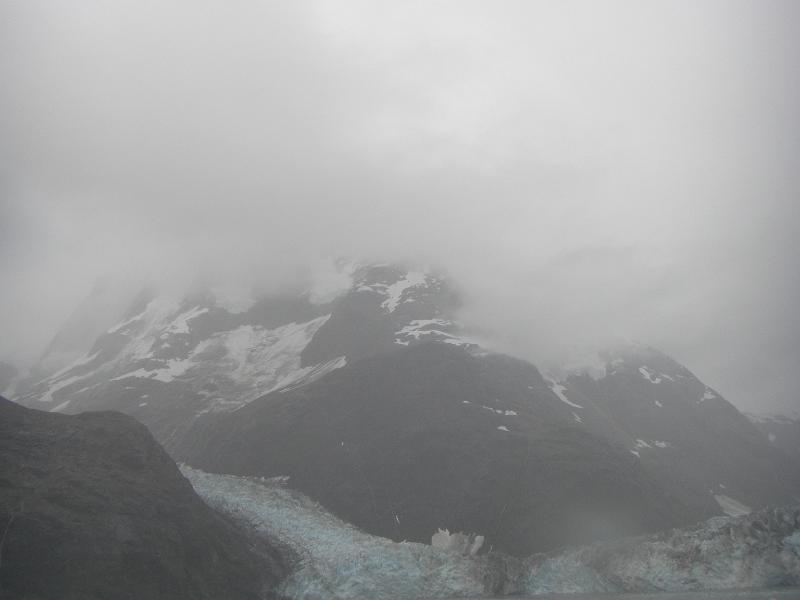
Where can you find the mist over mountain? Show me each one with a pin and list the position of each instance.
(354, 299)
(648, 195)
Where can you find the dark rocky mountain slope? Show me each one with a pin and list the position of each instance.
(782, 431)
(92, 507)
(430, 437)
(685, 433)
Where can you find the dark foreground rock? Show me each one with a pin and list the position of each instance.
(92, 507)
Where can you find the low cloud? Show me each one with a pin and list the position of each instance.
(582, 170)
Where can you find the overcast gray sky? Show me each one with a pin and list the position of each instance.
(582, 169)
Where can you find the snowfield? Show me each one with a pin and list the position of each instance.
(337, 561)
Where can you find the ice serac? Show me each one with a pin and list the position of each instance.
(92, 507)
(431, 436)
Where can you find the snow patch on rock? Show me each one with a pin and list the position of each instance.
(59, 385)
(180, 324)
(394, 292)
(649, 375)
(60, 407)
(559, 390)
(429, 329)
(246, 362)
(84, 360)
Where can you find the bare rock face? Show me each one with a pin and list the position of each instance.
(92, 507)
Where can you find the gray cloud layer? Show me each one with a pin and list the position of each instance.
(584, 169)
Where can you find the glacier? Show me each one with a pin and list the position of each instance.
(334, 560)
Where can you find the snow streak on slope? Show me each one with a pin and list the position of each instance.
(83, 360)
(266, 357)
(59, 385)
(170, 370)
(305, 375)
(559, 390)
(427, 330)
(228, 368)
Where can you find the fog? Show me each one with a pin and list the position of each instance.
(582, 170)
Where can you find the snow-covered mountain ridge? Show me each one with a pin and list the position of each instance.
(170, 359)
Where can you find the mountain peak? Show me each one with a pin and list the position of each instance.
(202, 352)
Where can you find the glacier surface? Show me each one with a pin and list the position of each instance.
(335, 560)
